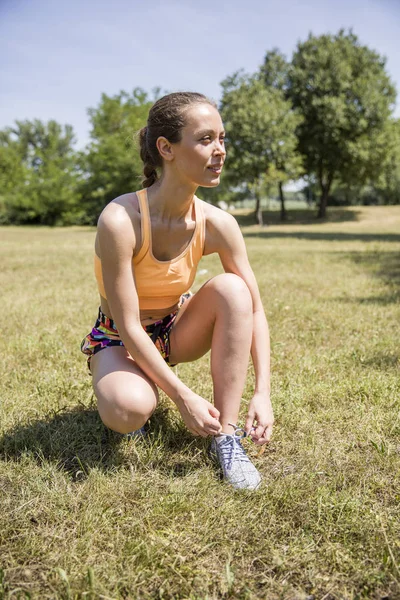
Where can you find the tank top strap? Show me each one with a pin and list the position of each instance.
(144, 225)
(201, 224)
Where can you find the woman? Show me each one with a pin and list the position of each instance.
(147, 249)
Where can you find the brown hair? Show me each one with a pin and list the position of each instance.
(167, 119)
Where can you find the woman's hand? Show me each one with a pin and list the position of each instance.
(199, 415)
(261, 417)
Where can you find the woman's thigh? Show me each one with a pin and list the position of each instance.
(125, 395)
(191, 335)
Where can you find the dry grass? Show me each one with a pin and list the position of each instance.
(86, 514)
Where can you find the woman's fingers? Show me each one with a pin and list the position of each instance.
(265, 437)
(214, 427)
(211, 427)
(249, 423)
(268, 433)
(259, 430)
(214, 412)
(200, 416)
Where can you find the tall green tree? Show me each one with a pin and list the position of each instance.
(377, 179)
(387, 182)
(275, 74)
(38, 173)
(275, 70)
(12, 170)
(345, 96)
(112, 162)
(260, 126)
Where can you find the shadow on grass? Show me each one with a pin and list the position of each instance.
(333, 236)
(178, 452)
(74, 440)
(77, 440)
(383, 265)
(298, 217)
(383, 362)
(383, 300)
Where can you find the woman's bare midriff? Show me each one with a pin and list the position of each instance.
(147, 317)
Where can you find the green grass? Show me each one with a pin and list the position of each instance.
(86, 514)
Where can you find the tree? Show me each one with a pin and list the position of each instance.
(345, 96)
(387, 183)
(112, 161)
(260, 126)
(275, 74)
(275, 70)
(12, 169)
(38, 173)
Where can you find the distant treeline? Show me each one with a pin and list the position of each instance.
(325, 117)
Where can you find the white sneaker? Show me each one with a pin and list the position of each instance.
(237, 468)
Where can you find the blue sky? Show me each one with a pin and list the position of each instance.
(56, 58)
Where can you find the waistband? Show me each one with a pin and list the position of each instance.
(110, 323)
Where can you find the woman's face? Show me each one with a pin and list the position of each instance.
(200, 155)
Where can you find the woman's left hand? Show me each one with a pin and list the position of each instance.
(260, 416)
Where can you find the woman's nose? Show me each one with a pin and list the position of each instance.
(220, 148)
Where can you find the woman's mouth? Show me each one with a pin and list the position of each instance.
(217, 169)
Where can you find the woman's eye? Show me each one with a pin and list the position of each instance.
(207, 138)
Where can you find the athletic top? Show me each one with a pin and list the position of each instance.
(160, 283)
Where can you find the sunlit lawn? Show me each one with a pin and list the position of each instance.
(84, 513)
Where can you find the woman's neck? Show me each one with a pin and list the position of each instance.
(169, 199)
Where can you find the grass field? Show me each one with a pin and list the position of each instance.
(84, 513)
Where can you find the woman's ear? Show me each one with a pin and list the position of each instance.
(165, 148)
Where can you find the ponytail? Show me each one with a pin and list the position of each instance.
(149, 169)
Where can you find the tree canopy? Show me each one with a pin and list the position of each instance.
(345, 97)
(112, 162)
(261, 134)
(38, 173)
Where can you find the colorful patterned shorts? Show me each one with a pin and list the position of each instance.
(105, 334)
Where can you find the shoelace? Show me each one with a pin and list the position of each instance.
(231, 447)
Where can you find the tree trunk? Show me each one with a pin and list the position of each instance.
(325, 189)
(322, 203)
(258, 212)
(282, 197)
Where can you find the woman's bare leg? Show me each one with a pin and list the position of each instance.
(219, 316)
(126, 398)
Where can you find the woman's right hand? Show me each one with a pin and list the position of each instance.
(200, 416)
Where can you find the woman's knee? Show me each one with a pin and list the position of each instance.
(233, 291)
(123, 410)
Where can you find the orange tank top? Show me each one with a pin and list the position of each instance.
(160, 283)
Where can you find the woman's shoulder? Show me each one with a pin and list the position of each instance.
(217, 218)
(121, 218)
(220, 225)
(122, 208)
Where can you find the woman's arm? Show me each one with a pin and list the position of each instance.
(225, 238)
(117, 240)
